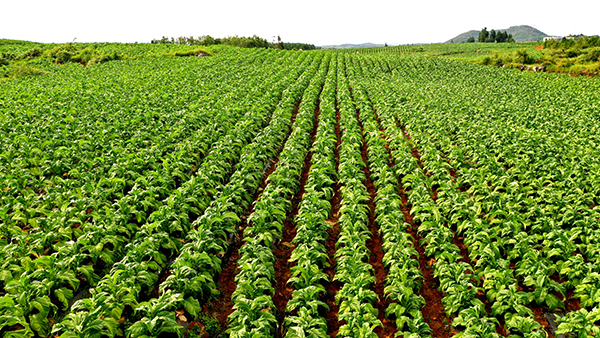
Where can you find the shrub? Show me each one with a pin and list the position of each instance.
(31, 54)
(521, 56)
(190, 52)
(63, 57)
(21, 69)
(572, 52)
(104, 58)
(62, 53)
(486, 61)
(85, 55)
(592, 55)
(8, 56)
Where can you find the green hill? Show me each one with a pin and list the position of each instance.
(521, 33)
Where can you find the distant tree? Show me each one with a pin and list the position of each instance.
(471, 39)
(492, 37)
(510, 38)
(483, 35)
(279, 42)
(297, 45)
(385, 44)
(501, 36)
(208, 40)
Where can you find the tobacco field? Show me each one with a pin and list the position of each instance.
(268, 193)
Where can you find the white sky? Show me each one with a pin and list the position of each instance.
(318, 22)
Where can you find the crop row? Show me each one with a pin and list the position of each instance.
(160, 241)
(72, 261)
(193, 272)
(507, 214)
(403, 281)
(253, 304)
(305, 308)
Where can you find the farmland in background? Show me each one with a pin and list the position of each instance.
(166, 191)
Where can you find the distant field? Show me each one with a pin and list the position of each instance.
(381, 192)
(574, 61)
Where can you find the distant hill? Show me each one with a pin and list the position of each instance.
(348, 45)
(521, 33)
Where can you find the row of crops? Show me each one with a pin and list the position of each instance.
(410, 196)
(461, 50)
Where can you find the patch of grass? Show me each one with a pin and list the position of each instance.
(70, 53)
(591, 55)
(31, 54)
(85, 55)
(521, 56)
(193, 52)
(21, 69)
(101, 58)
(61, 54)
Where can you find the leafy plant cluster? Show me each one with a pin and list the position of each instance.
(72, 53)
(519, 197)
(403, 281)
(519, 57)
(499, 284)
(355, 298)
(192, 272)
(160, 239)
(254, 310)
(7, 56)
(523, 224)
(58, 228)
(19, 70)
(89, 235)
(454, 209)
(305, 309)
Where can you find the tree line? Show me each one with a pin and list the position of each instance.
(238, 41)
(492, 36)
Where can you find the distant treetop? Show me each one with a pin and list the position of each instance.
(246, 42)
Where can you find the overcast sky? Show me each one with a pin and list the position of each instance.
(318, 22)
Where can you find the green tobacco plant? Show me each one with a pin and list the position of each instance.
(158, 317)
(581, 322)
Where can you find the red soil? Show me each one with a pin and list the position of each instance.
(283, 291)
(433, 311)
(222, 307)
(333, 287)
(374, 244)
(538, 313)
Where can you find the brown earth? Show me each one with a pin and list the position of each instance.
(222, 307)
(283, 252)
(333, 287)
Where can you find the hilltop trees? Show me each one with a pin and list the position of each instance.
(493, 36)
